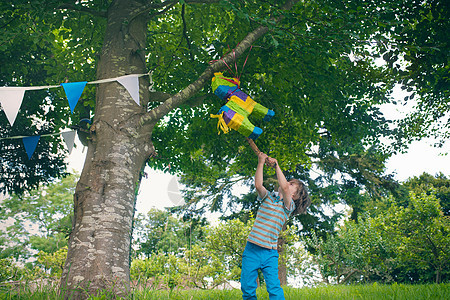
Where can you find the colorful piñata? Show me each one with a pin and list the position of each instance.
(239, 106)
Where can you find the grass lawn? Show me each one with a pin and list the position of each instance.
(373, 291)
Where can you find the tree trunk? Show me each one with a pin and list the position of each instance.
(438, 274)
(282, 270)
(104, 200)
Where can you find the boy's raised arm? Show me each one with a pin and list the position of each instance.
(260, 189)
(282, 182)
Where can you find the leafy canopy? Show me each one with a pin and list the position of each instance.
(316, 67)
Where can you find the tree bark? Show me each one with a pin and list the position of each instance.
(282, 270)
(99, 245)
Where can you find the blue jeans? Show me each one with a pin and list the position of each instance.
(254, 258)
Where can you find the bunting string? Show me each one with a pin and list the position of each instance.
(30, 142)
(24, 136)
(11, 97)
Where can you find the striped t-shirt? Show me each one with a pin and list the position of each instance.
(271, 216)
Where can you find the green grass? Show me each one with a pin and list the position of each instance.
(373, 291)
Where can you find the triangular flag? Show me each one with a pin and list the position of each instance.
(73, 92)
(69, 139)
(30, 143)
(11, 99)
(173, 192)
(131, 83)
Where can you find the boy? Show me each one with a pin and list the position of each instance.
(261, 249)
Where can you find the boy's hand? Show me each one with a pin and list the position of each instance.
(262, 157)
(272, 162)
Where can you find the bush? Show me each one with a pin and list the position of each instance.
(404, 244)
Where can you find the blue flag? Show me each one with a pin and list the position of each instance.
(30, 143)
(73, 92)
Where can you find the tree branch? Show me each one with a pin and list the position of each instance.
(165, 6)
(80, 8)
(162, 11)
(173, 102)
(157, 113)
(159, 96)
(185, 35)
(348, 276)
(201, 1)
(143, 9)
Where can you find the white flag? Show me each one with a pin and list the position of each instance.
(11, 99)
(131, 83)
(69, 139)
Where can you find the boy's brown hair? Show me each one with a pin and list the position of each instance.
(301, 198)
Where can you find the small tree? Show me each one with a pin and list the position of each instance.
(227, 240)
(42, 219)
(299, 264)
(403, 244)
(11, 271)
(162, 232)
(53, 262)
(422, 234)
(439, 185)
